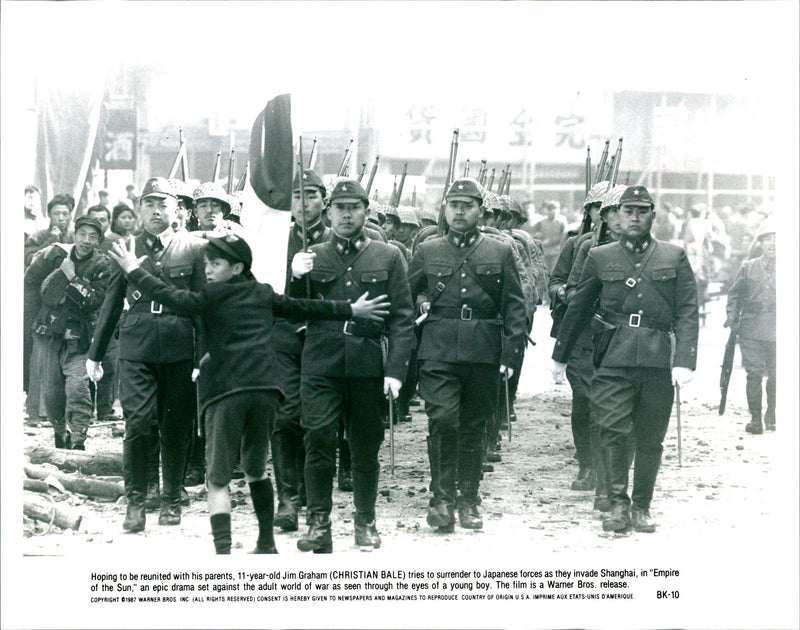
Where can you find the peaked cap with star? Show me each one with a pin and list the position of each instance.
(465, 189)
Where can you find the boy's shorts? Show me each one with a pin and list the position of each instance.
(239, 424)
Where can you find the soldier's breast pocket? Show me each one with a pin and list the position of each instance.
(375, 282)
(491, 275)
(614, 287)
(438, 276)
(322, 280)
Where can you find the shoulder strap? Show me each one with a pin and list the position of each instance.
(441, 286)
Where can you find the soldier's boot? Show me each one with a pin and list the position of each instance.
(318, 537)
(615, 457)
(196, 463)
(153, 454)
(585, 479)
(365, 494)
(469, 472)
(645, 472)
(441, 512)
(173, 467)
(62, 440)
(769, 414)
(134, 470)
(77, 440)
(601, 502)
(365, 531)
(753, 391)
(264, 505)
(286, 482)
(344, 476)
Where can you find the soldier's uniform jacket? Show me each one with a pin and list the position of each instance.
(343, 270)
(237, 319)
(285, 336)
(67, 308)
(522, 261)
(150, 331)
(751, 299)
(474, 305)
(647, 290)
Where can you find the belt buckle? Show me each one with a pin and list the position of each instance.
(466, 313)
(346, 328)
(153, 305)
(635, 320)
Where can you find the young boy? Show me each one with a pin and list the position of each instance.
(237, 395)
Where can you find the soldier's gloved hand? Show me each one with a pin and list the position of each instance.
(392, 385)
(682, 376)
(195, 375)
(559, 370)
(94, 369)
(302, 263)
(505, 370)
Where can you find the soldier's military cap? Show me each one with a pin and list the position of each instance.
(491, 202)
(427, 214)
(310, 179)
(235, 247)
(349, 190)
(596, 193)
(636, 196)
(465, 189)
(767, 227)
(182, 190)
(211, 190)
(90, 222)
(407, 215)
(158, 187)
(612, 198)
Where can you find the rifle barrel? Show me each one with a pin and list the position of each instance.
(402, 183)
(231, 166)
(588, 170)
(616, 163)
(602, 164)
(217, 164)
(346, 159)
(372, 173)
(312, 159)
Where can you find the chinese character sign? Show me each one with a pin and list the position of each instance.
(118, 150)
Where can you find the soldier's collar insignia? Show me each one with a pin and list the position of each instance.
(462, 239)
(348, 245)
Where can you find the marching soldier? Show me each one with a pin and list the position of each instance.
(751, 311)
(344, 373)
(156, 348)
(288, 452)
(212, 207)
(468, 285)
(68, 283)
(647, 297)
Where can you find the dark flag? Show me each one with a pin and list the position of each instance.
(271, 154)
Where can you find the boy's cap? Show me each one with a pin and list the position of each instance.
(235, 247)
(84, 220)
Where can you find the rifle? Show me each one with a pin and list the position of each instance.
(617, 160)
(727, 368)
(372, 174)
(312, 159)
(361, 172)
(491, 181)
(466, 169)
(180, 158)
(502, 182)
(391, 435)
(393, 196)
(598, 177)
(508, 406)
(678, 418)
(588, 170)
(217, 163)
(508, 182)
(346, 159)
(414, 197)
(401, 184)
(482, 173)
(448, 180)
(231, 165)
(303, 208)
(243, 178)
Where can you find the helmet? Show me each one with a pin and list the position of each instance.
(212, 190)
(767, 227)
(596, 193)
(612, 198)
(407, 215)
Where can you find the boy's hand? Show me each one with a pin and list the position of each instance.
(302, 263)
(376, 309)
(125, 255)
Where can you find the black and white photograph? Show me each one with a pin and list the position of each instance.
(469, 314)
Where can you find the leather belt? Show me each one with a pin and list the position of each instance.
(634, 320)
(463, 312)
(357, 329)
(151, 306)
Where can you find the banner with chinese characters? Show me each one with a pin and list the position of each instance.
(544, 128)
(118, 150)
